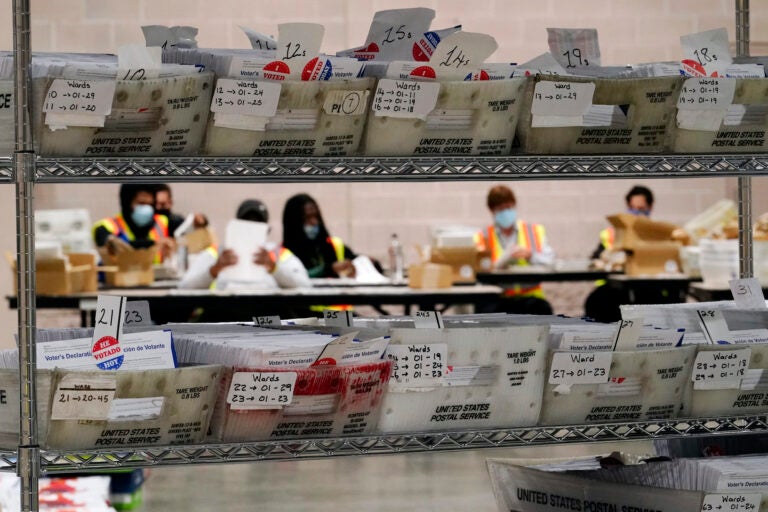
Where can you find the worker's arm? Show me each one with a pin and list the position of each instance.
(545, 256)
(290, 273)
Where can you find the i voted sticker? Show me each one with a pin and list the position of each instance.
(107, 353)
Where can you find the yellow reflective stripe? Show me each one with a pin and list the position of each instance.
(284, 255)
(213, 251)
(607, 238)
(338, 246)
(120, 221)
(496, 248)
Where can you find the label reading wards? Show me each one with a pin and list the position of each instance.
(580, 367)
(706, 94)
(418, 366)
(720, 369)
(405, 98)
(83, 97)
(562, 98)
(261, 390)
(246, 97)
(731, 502)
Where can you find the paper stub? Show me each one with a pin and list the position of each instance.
(82, 397)
(562, 98)
(334, 352)
(137, 313)
(713, 325)
(747, 293)
(299, 40)
(107, 333)
(731, 502)
(418, 366)
(628, 334)
(346, 103)
(405, 98)
(574, 48)
(267, 321)
(261, 390)
(720, 369)
(246, 97)
(706, 53)
(138, 62)
(461, 52)
(580, 367)
(393, 33)
(428, 320)
(87, 98)
(544, 64)
(337, 318)
(258, 40)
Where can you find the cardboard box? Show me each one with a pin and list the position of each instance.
(647, 243)
(464, 261)
(649, 105)
(199, 240)
(493, 108)
(131, 268)
(430, 275)
(154, 117)
(74, 273)
(746, 136)
(331, 133)
(186, 398)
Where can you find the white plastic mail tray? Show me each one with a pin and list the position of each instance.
(469, 118)
(317, 118)
(743, 126)
(640, 386)
(621, 116)
(747, 394)
(326, 401)
(9, 405)
(155, 117)
(495, 379)
(101, 409)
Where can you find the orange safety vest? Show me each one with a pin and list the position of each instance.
(119, 227)
(607, 238)
(529, 236)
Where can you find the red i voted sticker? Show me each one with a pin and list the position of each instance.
(276, 70)
(423, 72)
(480, 75)
(369, 52)
(108, 354)
(317, 69)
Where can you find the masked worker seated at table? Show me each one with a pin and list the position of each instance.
(514, 242)
(283, 268)
(137, 226)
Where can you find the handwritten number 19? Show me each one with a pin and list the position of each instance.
(577, 58)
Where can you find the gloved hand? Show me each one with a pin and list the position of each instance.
(511, 254)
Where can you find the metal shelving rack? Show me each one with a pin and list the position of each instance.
(26, 169)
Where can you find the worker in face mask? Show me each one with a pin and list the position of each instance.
(305, 234)
(514, 242)
(137, 225)
(639, 201)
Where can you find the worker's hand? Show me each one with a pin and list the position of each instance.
(226, 259)
(344, 268)
(263, 258)
(116, 245)
(166, 246)
(521, 253)
(200, 221)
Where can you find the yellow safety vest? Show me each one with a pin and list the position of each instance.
(338, 249)
(529, 236)
(119, 227)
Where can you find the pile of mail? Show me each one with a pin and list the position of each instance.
(680, 485)
(73, 494)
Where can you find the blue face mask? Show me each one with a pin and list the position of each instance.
(506, 218)
(142, 215)
(311, 230)
(634, 211)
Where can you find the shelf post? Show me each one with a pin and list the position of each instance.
(746, 267)
(28, 466)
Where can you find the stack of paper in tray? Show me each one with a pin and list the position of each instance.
(285, 384)
(682, 485)
(75, 494)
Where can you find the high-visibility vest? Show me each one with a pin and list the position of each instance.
(607, 238)
(338, 249)
(119, 227)
(529, 236)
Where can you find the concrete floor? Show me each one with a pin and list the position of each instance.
(444, 482)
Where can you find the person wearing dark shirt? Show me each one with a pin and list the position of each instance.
(305, 234)
(164, 206)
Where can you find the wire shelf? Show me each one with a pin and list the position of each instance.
(285, 169)
(53, 461)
